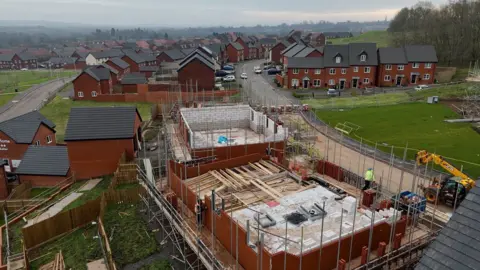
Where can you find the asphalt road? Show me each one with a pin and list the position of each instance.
(32, 99)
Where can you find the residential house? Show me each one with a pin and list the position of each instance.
(247, 45)
(409, 65)
(219, 52)
(134, 82)
(275, 52)
(266, 45)
(315, 39)
(98, 137)
(120, 65)
(148, 71)
(235, 52)
(18, 61)
(170, 56)
(197, 70)
(294, 36)
(135, 61)
(61, 62)
(92, 82)
(97, 58)
(305, 73)
(300, 50)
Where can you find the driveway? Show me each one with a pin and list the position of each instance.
(32, 99)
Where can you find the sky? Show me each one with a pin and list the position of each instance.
(185, 13)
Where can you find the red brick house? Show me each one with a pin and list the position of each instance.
(113, 72)
(44, 166)
(219, 52)
(98, 137)
(305, 73)
(17, 61)
(132, 82)
(148, 71)
(315, 39)
(235, 52)
(408, 65)
(266, 44)
(139, 60)
(18, 133)
(247, 46)
(170, 56)
(275, 52)
(199, 70)
(301, 50)
(120, 65)
(294, 36)
(92, 82)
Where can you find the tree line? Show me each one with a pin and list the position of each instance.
(454, 29)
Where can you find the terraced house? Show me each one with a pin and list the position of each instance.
(17, 61)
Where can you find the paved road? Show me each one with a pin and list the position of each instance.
(31, 99)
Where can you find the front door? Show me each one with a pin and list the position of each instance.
(305, 83)
(399, 80)
(342, 84)
(414, 78)
(355, 83)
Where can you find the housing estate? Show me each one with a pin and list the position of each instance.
(17, 61)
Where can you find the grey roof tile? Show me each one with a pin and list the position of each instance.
(421, 53)
(101, 123)
(332, 51)
(98, 74)
(199, 52)
(107, 54)
(305, 62)
(237, 46)
(62, 60)
(119, 62)
(26, 56)
(22, 129)
(288, 48)
(293, 51)
(135, 57)
(392, 56)
(305, 52)
(6, 57)
(175, 54)
(188, 51)
(148, 68)
(112, 69)
(264, 41)
(134, 78)
(44, 160)
(368, 49)
(198, 57)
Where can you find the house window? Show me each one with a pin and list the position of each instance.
(366, 80)
(387, 78)
(400, 67)
(294, 82)
(37, 143)
(49, 139)
(344, 71)
(331, 82)
(94, 93)
(80, 94)
(317, 83)
(388, 67)
(428, 65)
(363, 58)
(295, 71)
(426, 76)
(415, 65)
(266, 121)
(338, 59)
(318, 71)
(332, 71)
(252, 116)
(306, 70)
(367, 70)
(355, 69)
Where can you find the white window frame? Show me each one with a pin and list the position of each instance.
(344, 71)
(331, 82)
(355, 69)
(318, 71)
(426, 76)
(49, 139)
(94, 93)
(415, 65)
(332, 71)
(80, 93)
(428, 65)
(296, 71)
(387, 78)
(363, 58)
(297, 82)
(366, 70)
(37, 142)
(388, 67)
(366, 80)
(400, 67)
(315, 83)
(306, 71)
(338, 59)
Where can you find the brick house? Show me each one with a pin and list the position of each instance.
(264, 47)
(131, 82)
(97, 58)
(139, 60)
(98, 137)
(294, 36)
(219, 52)
(44, 166)
(275, 52)
(407, 65)
(92, 82)
(61, 62)
(197, 69)
(317, 39)
(170, 56)
(120, 65)
(235, 52)
(301, 50)
(18, 133)
(247, 46)
(113, 72)
(16, 61)
(305, 73)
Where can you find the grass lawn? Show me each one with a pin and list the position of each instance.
(131, 238)
(359, 101)
(5, 98)
(448, 91)
(78, 248)
(419, 124)
(460, 75)
(40, 193)
(22, 80)
(90, 194)
(58, 111)
(379, 37)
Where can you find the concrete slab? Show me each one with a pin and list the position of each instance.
(55, 209)
(90, 184)
(97, 265)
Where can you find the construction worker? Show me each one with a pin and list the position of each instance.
(369, 178)
(198, 212)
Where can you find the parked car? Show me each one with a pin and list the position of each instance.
(267, 67)
(229, 78)
(332, 92)
(229, 71)
(244, 76)
(273, 71)
(220, 73)
(228, 67)
(258, 71)
(24, 69)
(421, 87)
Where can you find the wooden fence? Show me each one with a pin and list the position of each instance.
(125, 174)
(22, 191)
(15, 205)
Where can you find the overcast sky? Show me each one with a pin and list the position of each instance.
(182, 13)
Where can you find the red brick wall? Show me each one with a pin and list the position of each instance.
(42, 133)
(133, 65)
(42, 180)
(197, 73)
(77, 66)
(350, 74)
(408, 69)
(233, 54)
(3, 184)
(163, 57)
(315, 54)
(310, 74)
(106, 87)
(85, 84)
(276, 50)
(229, 152)
(246, 51)
(129, 88)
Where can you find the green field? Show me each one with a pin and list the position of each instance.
(22, 80)
(418, 124)
(379, 37)
(58, 111)
(5, 98)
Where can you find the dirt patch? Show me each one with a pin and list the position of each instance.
(445, 74)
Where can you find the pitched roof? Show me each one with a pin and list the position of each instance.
(293, 51)
(237, 46)
(358, 49)
(98, 74)
(283, 42)
(188, 51)
(392, 56)
(421, 53)
(216, 48)
(198, 57)
(112, 69)
(22, 129)
(44, 160)
(134, 78)
(135, 57)
(456, 247)
(288, 48)
(174, 54)
(26, 56)
(107, 54)
(305, 52)
(305, 62)
(6, 57)
(100, 123)
(264, 41)
(147, 57)
(62, 60)
(201, 53)
(148, 68)
(119, 62)
(331, 52)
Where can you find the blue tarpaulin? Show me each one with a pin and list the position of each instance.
(222, 139)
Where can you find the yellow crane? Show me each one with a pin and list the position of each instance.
(452, 188)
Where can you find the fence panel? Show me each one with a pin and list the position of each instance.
(22, 191)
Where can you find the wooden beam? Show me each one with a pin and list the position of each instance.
(238, 176)
(260, 168)
(266, 190)
(267, 187)
(230, 178)
(223, 180)
(270, 166)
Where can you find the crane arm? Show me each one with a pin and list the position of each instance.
(423, 157)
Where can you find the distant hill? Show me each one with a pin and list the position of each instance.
(379, 37)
